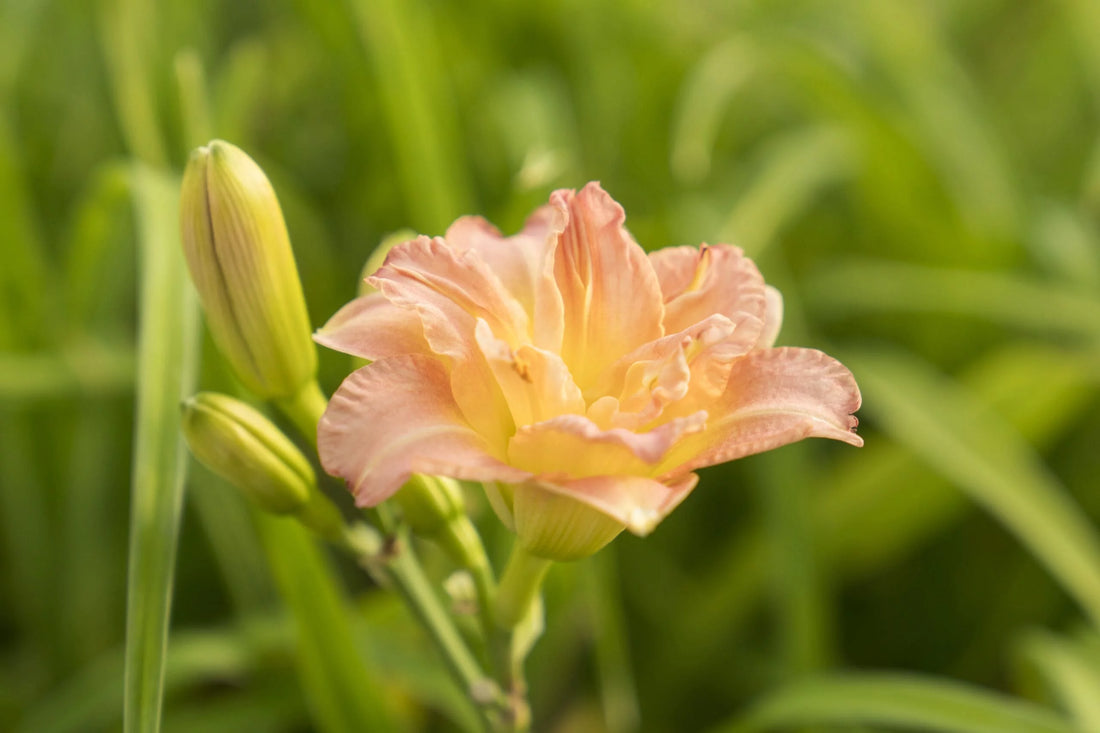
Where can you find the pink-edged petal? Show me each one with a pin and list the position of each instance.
(610, 294)
(699, 282)
(397, 417)
(449, 290)
(373, 328)
(525, 265)
(638, 502)
(535, 383)
(774, 397)
(575, 447)
(773, 318)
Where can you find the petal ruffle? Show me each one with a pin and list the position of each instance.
(371, 327)
(572, 446)
(774, 397)
(610, 294)
(773, 317)
(525, 265)
(397, 417)
(699, 282)
(449, 290)
(686, 369)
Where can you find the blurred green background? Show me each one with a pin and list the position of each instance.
(920, 179)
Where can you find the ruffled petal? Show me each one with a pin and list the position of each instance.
(525, 265)
(572, 446)
(686, 369)
(638, 502)
(773, 318)
(536, 383)
(774, 397)
(372, 327)
(397, 417)
(610, 294)
(699, 282)
(449, 290)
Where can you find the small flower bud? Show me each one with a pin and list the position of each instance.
(434, 508)
(430, 503)
(242, 446)
(460, 588)
(239, 255)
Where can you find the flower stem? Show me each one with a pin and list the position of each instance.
(305, 409)
(514, 604)
(401, 566)
(519, 587)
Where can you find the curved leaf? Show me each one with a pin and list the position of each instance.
(912, 702)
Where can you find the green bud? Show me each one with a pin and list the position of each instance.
(434, 508)
(430, 503)
(239, 255)
(237, 442)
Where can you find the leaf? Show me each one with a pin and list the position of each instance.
(986, 458)
(879, 503)
(1048, 308)
(797, 166)
(91, 699)
(128, 31)
(909, 701)
(25, 277)
(410, 75)
(1072, 668)
(343, 697)
(167, 356)
(618, 690)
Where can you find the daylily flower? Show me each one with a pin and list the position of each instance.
(583, 380)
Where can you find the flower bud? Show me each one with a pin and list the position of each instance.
(242, 446)
(430, 503)
(434, 508)
(239, 255)
(549, 524)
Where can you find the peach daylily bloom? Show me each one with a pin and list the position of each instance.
(570, 371)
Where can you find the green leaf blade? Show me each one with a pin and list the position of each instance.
(167, 358)
(907, 701)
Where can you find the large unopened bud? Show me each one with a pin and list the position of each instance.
(237, 442)
(238, 251)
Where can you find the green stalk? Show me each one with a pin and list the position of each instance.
(305, 409)
(515, 628)
(519, 587)
(167, 355)
(403, 568)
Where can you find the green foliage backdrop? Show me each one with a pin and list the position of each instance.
(920, 179)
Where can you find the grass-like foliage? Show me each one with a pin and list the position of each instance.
(921, 180)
